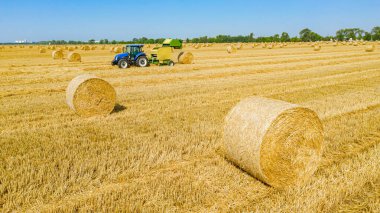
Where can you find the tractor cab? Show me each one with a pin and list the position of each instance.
(133, 49)
(132, 55)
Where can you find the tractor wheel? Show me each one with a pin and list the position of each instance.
(171, 63)
(123, 64)
(142, 61)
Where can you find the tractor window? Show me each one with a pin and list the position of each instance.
(128, 50)
(135, 50)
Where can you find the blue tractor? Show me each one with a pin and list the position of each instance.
(132, 55)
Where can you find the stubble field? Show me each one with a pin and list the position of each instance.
(161, 149)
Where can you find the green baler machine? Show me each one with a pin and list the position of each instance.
(163, 55)
(175, 43)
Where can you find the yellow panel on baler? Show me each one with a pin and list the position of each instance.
(164, 53)
(167, 41)
(154, 51)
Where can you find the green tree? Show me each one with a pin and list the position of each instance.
(251, 37)
(295, 39)
(308, 35)
(359, 33)
(91, 41)
(203, 39)
(350, 33)
(375, 32)
(305, 34)
(340, 35)
(367, 36)
(276, 37)
(285, 37)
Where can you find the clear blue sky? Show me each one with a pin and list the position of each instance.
(37, 20)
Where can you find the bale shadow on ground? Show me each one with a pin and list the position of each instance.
(118, 108)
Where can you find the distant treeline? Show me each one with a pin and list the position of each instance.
(305, 35)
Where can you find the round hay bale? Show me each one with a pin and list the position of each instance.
(239, 46)
(86, 48)
(57, 54)
(42, 50)
(275, 141)
(231, 49)
(71, 48)
(89, 95)
(185, 58)
(117, 49)
(93, 47)
(270, 46)
(74, 57)
(317, 47)
(370, 48)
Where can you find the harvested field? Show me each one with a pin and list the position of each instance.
(161, 148)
